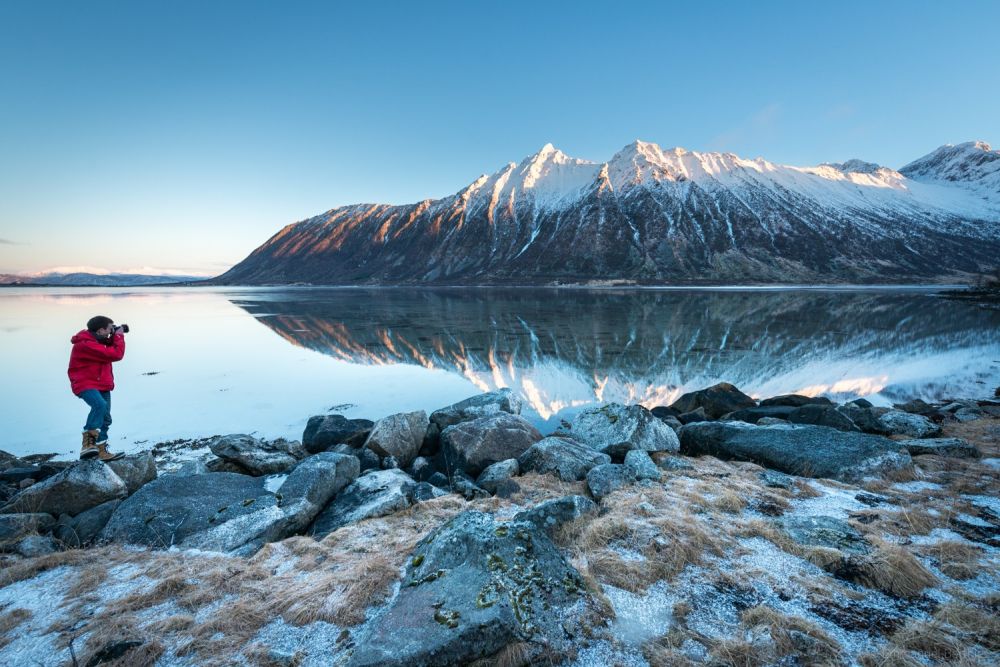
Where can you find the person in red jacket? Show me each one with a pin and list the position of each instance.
(91, 378)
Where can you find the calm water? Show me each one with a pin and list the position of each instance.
(207, 361)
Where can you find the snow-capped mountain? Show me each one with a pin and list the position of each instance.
(650, 215)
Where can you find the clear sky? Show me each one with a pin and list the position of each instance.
(180, 135)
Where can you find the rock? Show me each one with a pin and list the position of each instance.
(771, 421)
(670, 462)
(85, 527)
(808, 451)
(861, 403)
(473, 587)
(466, 487)
(135, 470)
(215, 464)
(754, 414)
(777, 480)
(862, 417)
(477, 407)
(497, 473)
(324, 431)
(440, 480)
(916, 406)
(473, 445)
(18, 474)
(219, 511)
(399, 436)
(641, 465)
(74, 490)
(33, 546)
(614, 423)
(307, 490)
(552, 514)
(369, 459)
(608, 477)
(968, 414)
(432, 441)
(15, 526)
(421, 469)
(374, 494)
(255, 456)
(8, 460)
(822, 415)
(673, 422)
(388, 463)
(824, 531)
(896, 422)
(664, 412)
(717, 400)
(698, 415)
(795, 401)
(423, 491)
(568, 459)
(25, 483)
(952, 447)
(617, 451)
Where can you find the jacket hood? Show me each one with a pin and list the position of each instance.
(79, 336)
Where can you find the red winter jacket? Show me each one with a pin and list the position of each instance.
(90, 362)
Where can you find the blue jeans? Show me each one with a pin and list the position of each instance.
(100, 411)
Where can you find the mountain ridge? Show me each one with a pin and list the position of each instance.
(661, 216)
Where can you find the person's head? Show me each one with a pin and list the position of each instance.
(101, 325)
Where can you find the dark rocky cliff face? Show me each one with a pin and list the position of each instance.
(741, 226)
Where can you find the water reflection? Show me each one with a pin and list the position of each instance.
(564, 349)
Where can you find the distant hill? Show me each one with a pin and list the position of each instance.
(95, 280)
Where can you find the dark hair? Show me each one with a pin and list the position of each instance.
(98, 322)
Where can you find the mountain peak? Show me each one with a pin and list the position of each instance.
(971, 162)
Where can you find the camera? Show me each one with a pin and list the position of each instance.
(121, 328)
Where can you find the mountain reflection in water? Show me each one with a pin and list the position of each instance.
(565, 349)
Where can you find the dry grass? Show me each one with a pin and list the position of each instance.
(9, 620)
(958, 560)
(789, 635)
(977, 621)
(665, 651)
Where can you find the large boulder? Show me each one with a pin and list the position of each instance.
(324, 431)
(472, 446)
(863, 416)
(135, 470)
(808, 451)
(603, 479)
(399, 436)
(717, 400)
(754, 414)
(897, 422)
(641, 465)
(255, 456)
(217, 511)
(824, 531)
(822, 415)
(374, 494)
(956, 448)
(552, 514)
(614, 423)
(473, 587)
(566, 458)
(74, 490)
(476, 407)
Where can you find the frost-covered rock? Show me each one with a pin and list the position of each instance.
(896, 422)
(808, 451)
(755, 414)
(552, 514)
(497, 475)
(255, 456)
(568, 459)
(614, 423)
(324, 431)
(135, 470)
(476, 407)
(16, 526)
(951, 447)
(717, 400)
(863, 416)
(473, 445)
(473, 587)
(376, 493)
(84, 528)
(968, 414)
(795, 401)
(399, 436)
(609, 477)
(78, 488)
(641, 465)
(824, 531)
(822, 415)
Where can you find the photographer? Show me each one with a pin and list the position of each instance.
(91, 378)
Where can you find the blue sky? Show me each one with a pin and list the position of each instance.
(180, 135)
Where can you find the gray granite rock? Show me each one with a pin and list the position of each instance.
(476, 407)
(324, 431)
(614, 423)
(717, 400)
(84, 528)
(374, 494)
(604, 479)
(896, 422)
(951, 447)
(641, 465)
(471, 446)
(552, 514)
(78, 488)
(566, 458)
(255, 456)
(399, 436)
(822, 415)
(498, 473)
(824, 531)
(15, 526)
(135, 470)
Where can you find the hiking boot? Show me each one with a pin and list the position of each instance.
(104, 454)
(89, 450)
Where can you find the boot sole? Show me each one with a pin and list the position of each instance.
(87, 456)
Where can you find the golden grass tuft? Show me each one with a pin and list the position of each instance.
(958, 560)
(894, 570)
(788, 633)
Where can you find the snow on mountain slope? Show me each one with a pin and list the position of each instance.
(662, 215)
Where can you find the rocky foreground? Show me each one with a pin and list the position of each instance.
(719, 530)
